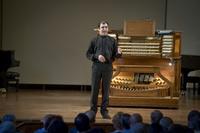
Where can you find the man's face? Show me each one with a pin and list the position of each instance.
(103, 29)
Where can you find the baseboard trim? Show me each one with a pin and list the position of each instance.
(54, 86)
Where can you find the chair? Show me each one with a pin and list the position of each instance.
(13, 79)
(194, 79)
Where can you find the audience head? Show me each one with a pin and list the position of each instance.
(165, 123)
(138, 128)
(156, 115)
(91, 115)
(117, 121)
(135, 118)
(57, 125)
(82, 122)
(96, 130)
(194, 120)
(46, 120)
(9, 117)
(177, 128)
(126, 120)
(7, 127)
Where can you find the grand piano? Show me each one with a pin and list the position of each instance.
(7, 60)
(188, 63)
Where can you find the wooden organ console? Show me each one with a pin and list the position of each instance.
(148, 74)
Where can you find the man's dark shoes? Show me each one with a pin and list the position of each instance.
(105, 116)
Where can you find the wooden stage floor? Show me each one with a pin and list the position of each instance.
(33, 104)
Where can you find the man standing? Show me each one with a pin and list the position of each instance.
(102, 52)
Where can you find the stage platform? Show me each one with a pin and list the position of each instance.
(33, 104)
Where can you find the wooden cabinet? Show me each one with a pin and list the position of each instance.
(148, 74)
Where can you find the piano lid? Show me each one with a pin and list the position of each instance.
(7, 59)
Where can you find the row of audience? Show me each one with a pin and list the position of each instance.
(122, 123)
(126, 123)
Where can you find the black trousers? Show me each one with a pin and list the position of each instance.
(101, 73)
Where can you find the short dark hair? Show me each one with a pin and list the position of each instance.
(117, 120)
(126, 120)
(136, 118)
(156, 115)
(102, 22)
(48, 118)
(9, 117)
(82, 122)
(192, 114)
(57, 125)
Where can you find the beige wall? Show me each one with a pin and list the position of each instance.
(50, 37)
(184, 16)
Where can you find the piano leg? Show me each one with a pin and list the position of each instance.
(183, 83)
(194, 88)
(198, 91)
(198, 87)
(3, 82)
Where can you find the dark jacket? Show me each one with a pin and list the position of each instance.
(103, 45)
